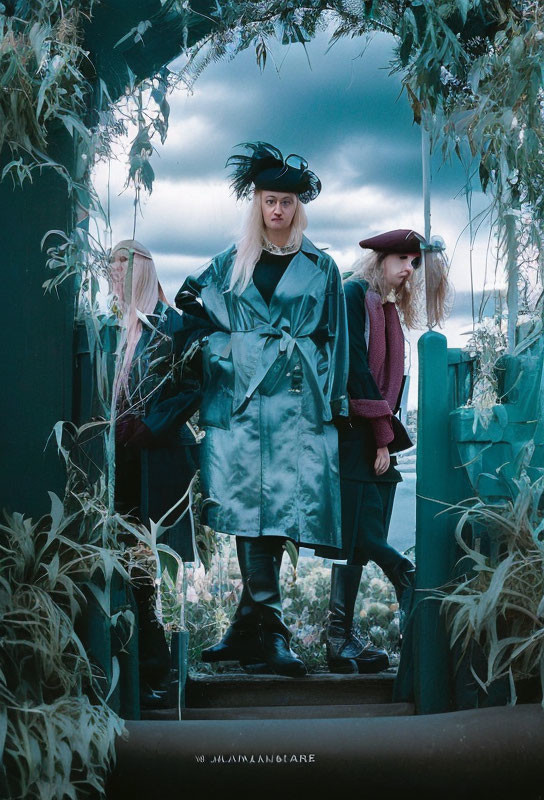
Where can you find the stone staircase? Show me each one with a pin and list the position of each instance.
(239, 696)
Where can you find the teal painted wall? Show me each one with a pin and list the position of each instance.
(37, 338)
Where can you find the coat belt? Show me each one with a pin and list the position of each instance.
(287, 344)
(287, 341)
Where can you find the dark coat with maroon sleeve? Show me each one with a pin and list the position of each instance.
(373, 334)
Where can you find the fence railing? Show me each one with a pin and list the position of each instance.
(459, 456)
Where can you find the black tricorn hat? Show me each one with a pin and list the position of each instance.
(402, 240)
(266, 168)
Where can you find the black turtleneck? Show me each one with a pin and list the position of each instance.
(268, 272)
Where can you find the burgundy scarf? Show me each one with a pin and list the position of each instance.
(386, 362)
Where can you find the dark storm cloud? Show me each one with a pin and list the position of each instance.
(170, 242)
(343, 113)
(346, 115)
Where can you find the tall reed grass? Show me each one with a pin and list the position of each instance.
(499, 600)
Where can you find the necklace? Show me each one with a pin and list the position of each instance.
(277, 250)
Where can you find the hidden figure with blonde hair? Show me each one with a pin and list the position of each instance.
(155, 452)
(137, 290)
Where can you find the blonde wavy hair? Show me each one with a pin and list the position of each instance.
(250, 243)
(145, 291)
(409, 297)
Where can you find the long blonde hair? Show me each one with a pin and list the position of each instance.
(250, 243)
(369, 267)
(145, 291)
(409, 296)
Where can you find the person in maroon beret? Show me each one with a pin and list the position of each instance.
(383, 292)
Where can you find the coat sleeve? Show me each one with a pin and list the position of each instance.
(338, 343)
(178, 397)
(196, 322)
(365, 398)
(202, 300)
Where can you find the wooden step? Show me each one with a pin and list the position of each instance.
(302, 712)
(238, 690)
(320, 691)
(236, 695)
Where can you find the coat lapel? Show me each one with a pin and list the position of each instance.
(254, 298)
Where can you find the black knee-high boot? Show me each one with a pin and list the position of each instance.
(258, 634)
(241, 641)
(402, 576)
(260, 561)
(346, 652)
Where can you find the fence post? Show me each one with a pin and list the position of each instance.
(435, 545)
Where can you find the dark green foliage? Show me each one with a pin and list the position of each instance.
(42, 81)
(57, 743)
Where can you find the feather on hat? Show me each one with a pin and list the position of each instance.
(266, 168)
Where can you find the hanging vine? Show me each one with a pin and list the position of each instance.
(49, 83)
(44, 72)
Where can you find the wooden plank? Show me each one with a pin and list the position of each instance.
(241, 690)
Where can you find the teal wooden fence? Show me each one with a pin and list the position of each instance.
(458, 457)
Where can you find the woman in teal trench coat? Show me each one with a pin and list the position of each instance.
(271, 316)
(156, 453)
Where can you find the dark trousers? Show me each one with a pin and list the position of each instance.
(366, 514)
(153, 652)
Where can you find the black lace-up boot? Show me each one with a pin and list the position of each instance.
(258, 637)
(347, 653)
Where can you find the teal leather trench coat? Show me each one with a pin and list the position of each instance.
(273, 378)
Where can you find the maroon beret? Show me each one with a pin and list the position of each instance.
(400, 241)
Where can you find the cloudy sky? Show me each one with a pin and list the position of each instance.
(343, 113)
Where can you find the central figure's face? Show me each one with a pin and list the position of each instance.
(398, 268)
(278, 209)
